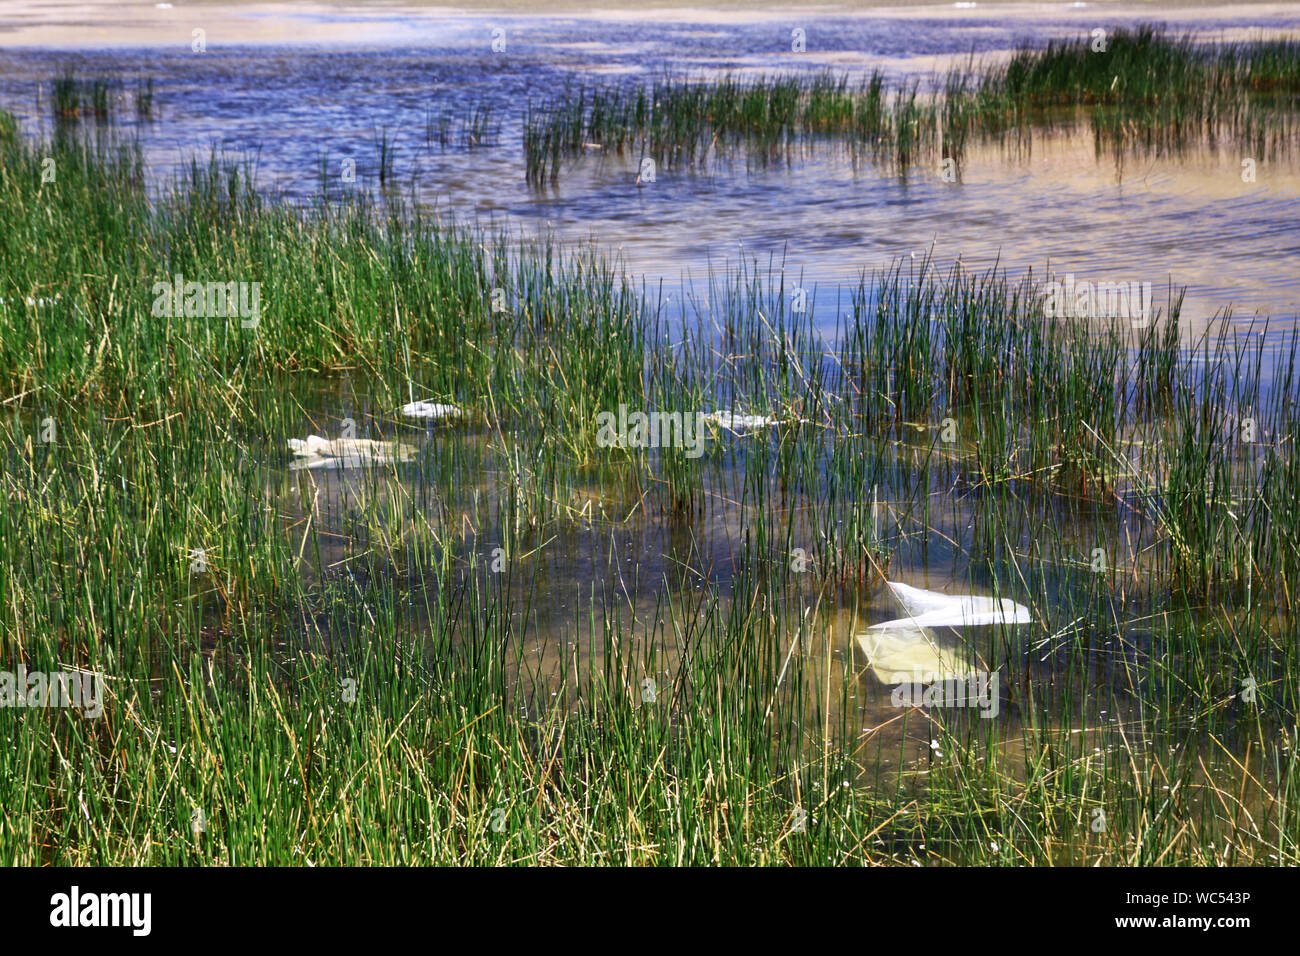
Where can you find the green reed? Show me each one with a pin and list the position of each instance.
(447, 661)
(1141, 88)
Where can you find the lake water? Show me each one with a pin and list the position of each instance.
(360, 74)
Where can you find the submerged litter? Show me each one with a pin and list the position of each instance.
(317, 452)
(431, 410)
(908, 650)
(738, 421)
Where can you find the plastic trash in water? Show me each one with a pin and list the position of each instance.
(317, 452)
(739, 421)
(909, 650)
(434, 411)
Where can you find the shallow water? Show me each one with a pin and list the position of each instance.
(598, 555)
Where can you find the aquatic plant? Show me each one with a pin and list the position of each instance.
(1140, 88)
(522, 646)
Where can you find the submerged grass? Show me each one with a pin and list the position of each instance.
(527, 647)
(74, 98)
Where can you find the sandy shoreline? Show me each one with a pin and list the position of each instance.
(77, 24)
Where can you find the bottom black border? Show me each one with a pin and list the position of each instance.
(340, 907)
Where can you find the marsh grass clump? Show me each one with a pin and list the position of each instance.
(144, 98)
(681, 121)
(1141, 89)
(471, 130)
(74, 98)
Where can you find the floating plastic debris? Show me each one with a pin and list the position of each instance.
(431, 410)
(904, 655)
(738, 421)
(907, 649)
(317, 452)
